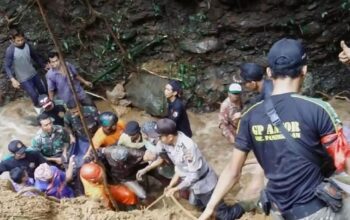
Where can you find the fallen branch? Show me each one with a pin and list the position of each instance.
(155, 202)
(183, 209)
(336, 96)
(324, 94)
(97, 96)
(342, 98)
(19, 15)
(153, 73)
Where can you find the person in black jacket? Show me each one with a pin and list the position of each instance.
(176, 108)
(21, 157)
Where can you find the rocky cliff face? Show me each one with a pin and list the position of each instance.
(205, 40)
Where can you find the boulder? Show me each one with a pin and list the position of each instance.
(202, 46)
(146, 91)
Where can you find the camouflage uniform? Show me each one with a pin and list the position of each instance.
(51, 145)
(227, 126)
(73, 122)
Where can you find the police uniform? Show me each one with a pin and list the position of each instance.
(191, 166)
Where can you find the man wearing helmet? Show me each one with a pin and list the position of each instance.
(124, 162)
(109, 132)
(92, 175)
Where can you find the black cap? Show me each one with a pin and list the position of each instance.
(132, 128)
(286, 54)
(166, 126)
(251, 72)
(16, 146)
(149, 128)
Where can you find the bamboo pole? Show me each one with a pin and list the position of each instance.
(75, 96)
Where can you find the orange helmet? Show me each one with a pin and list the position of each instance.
(91, 172)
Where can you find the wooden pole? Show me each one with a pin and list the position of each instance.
(75, 96)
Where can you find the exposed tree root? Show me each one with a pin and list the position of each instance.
(19, 15)
(336, 96)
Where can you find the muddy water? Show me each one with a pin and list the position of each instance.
(16, 121)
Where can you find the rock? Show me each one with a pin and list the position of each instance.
(326, 36)
(229, 2)
(3, 37)
(291, 3)
(121, 110)
(128, 35)
(312, 6)
(116, 94)
(312, 29)
(124, 102)
(160, 67)
(142, 17)
(202, 46)
(145, 91)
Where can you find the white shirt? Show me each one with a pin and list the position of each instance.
(190, 164)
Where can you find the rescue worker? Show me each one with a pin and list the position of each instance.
(109, 132)
(252, 75)
(52, 141)
(253, 80)
(176, 108)
(19, 67)
(57, 81)
(55, 111)
(124, 162)
(92, 176)
(229, 110)
(132, 137)
(74, 125)
(161, 163)
(297, 187)
(21, 157)
(191, 169)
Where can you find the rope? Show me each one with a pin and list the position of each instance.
(75, 96)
